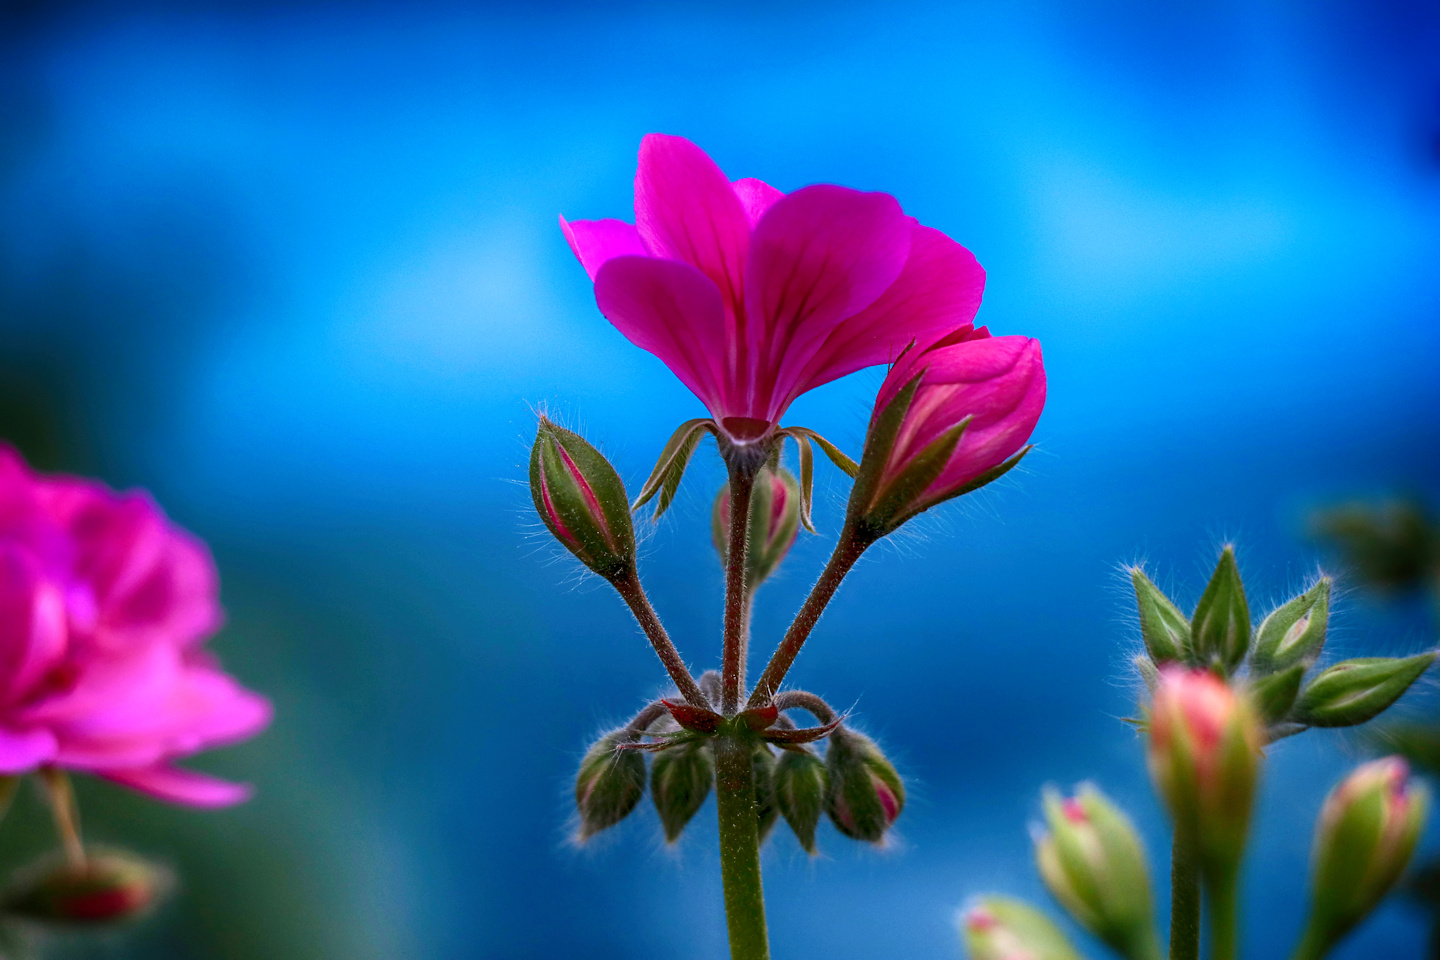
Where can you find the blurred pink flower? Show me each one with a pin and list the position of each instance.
(752, 297)
(104, 610)
(999, 382)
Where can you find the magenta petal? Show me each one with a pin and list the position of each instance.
(24, 750)
(686, 210)
(756, 196)
(184, 787)
(595, 241)
(33, 627)
(937, 292)
(819, 256)
(673, 311)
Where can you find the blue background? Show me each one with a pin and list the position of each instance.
(295, 269)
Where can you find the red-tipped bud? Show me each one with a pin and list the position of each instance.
(774, 523)
(998, 928)
(110, 887)
(949, 418)
(1364, 839)
(1204, 757)
(866, 794)
(581, 499)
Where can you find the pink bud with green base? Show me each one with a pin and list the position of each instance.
(582, 500)
(999, 928)
(866, 795)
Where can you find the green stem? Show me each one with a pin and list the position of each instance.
(1224, 917)
(1184, 898)
(740, 849)
(66, 815)
(1312, 945)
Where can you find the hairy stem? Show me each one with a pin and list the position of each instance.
(809, 702)
(733, 662)
(847, 551)
(628, 586)
(740, 849)
(1223, 915)
(1184, 898)
(61, 795)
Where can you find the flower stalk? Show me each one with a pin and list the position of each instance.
(732, 673)
(740, 849)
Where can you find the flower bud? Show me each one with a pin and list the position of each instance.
(1166, 631)
(1295, 632)
(581, 499)
(609, 784)
(774, 523)
(1354, 691)
(1220, 627)
(800, 789)
(866, 794)
(762, 765)
(998, 928)
(680, 780)
(1364, 838)
(949, 418)
(1204, 758)
(1092, 861)
(110, 887)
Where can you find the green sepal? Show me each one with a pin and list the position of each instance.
(801, 785)
(1220, 628)
(1164, 627)
(680, 780)
(1274, 694)
(807, 481)
(879, 441)
(896, 502)
(604, 542)
(767, 812)
(1295, 632)
(609, 784)
(836, 455)
(664, 480)
(1354, 691)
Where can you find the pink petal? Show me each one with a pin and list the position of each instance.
(819, 256)
(674, 312)
(937, 292)
(756, 196)
(686, 210)
(33, 624)
(595, 241)
(184, 787)
(23, 750)
(176, 601)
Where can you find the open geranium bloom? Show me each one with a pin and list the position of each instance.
(104, 608)
(752, 296)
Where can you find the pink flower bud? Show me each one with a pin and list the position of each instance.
(998, 928)
(1204, 757)
(110, 887)
(866, 794)
(948, 419)
(582, 500)
(1364, 838)
(774, 523)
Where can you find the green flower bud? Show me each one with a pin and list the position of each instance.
(1220, 628)
(110, 887)
(800, 789)
(774, 523)
(998, 928)
(1275, 694)
(1364, 839)
(680, 780)
(1092, 861)
(1204, 758)
(1295, 632)
(1164, 627)
(766, 810)
(582, 501)
(866, 794)
(609, 784)
(1354, 691)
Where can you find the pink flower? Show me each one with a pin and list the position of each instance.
(752, 297)
(104, 610)
(996, 382)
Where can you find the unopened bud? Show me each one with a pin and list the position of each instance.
(1164, 627)
(774, 523)
(998, 928)
(800, 789)
(609, 784)
(1204, 758)
(762, 766)
(1274, 695)
(582, 500)
(111, 886)
(1354, 691)
(1092, 861)
(1295, 632)
(1220, 628)
(680, 780)
(1364, 839)
(866, 794)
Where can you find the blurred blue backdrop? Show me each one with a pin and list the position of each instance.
(295, 268)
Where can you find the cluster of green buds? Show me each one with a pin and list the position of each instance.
(1221, 690)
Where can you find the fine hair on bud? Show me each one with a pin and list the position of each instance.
(680, 780)
(865, 794)
(608, 785)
